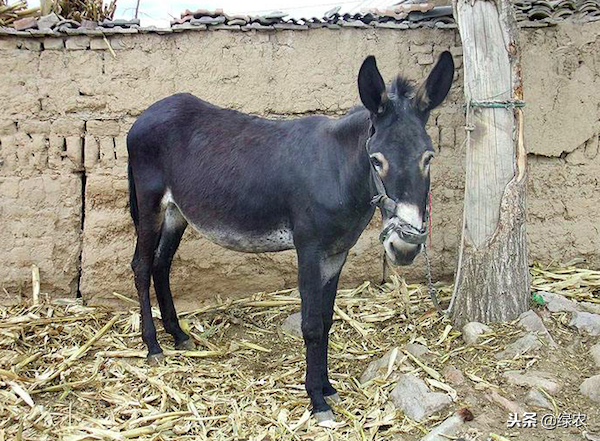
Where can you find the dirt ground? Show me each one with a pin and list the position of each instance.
(72, 372)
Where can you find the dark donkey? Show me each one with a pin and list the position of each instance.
(257, 185)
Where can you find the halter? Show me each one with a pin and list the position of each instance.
(388, 207)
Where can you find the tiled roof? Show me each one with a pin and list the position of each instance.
(530, 13)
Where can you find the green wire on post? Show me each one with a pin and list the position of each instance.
(496, 104)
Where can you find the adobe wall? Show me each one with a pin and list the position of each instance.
(66, 106)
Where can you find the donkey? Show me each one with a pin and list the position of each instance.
(257, 185)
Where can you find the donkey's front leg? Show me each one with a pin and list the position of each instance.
(310, 282)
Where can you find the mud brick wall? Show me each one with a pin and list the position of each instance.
(66, 105)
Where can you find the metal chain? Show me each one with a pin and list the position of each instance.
(430, 287)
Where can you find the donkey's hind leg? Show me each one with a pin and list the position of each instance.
(148, 234)
(173, 228)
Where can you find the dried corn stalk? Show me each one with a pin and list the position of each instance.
(15, 11)
(79, 10)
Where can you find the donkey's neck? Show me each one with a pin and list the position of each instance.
(351, 132)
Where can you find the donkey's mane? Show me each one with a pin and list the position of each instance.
(401, 87)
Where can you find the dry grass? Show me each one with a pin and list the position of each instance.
(72, 372)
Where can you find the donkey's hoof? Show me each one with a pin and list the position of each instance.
(333, 399)
(186, 345)
(155, 359)
(325, 418)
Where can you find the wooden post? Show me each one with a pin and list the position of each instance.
(492, 278)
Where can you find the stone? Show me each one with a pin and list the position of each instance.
(538, 399)
(412, 395)
(472, 330)
(529, 342)
(533, 378)
(595, 352)
(558, 303)
(453, 375)
(586, 322)
(293, 324)
(591, 388)
(594, 308)
(533, 323)
(379, 367)
(418, 350)
(511, 406)
(47, 21)
(450, 427)
(25, 23)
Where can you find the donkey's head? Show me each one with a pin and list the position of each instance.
(401, 150)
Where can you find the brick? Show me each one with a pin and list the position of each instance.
(34, 126)
(56, 151)
(447, 137)
(54, 44)
(7, 44)
(107, 151)
(7, 127)
(121, 149)
(75, 151)
(120, 43)
(421, 48)
(31, 45)
(91, 152)
(424, 59)
(98, 44)
(77, 43)
(103, 127)
(68, 126)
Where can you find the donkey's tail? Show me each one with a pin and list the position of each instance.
(133, 205)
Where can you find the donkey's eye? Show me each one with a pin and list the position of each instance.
(376, 162)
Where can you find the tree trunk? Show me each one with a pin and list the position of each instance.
(492, 278)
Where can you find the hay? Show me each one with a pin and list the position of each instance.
(72, 372)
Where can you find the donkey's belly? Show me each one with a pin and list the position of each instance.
(276, 240)
(262, 240)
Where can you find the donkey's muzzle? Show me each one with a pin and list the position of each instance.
(405, 231)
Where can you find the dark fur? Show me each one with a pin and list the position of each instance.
(234, 172)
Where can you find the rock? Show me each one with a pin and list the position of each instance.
(379, 367)
(594, 308)
(472, 330)
(418, 350)
(412, 395)
(47, 21)
(537, 379)
(453, 375)
(293, 324)
(595, 352)
(25, 23)
(509, 405)
(586, 322)
(533, 323)
(525, 344)
(591, 388)
(538, 399)
(449, 427)
(558, 303)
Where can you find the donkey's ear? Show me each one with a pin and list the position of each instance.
(435, 88)
(371, 87)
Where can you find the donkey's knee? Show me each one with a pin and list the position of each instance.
(312, 328)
